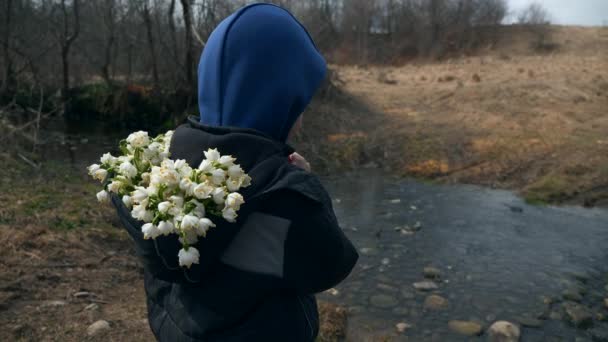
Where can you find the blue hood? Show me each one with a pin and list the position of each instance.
(259, 70)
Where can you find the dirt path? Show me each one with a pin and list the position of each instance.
(538, 124)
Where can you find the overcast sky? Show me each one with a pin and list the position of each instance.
(570, 12)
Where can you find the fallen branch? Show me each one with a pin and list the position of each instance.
(29, 162)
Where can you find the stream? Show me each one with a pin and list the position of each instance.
(497, 258)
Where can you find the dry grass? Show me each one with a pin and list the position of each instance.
(535, 123)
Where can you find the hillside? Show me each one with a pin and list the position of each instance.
(509, 117)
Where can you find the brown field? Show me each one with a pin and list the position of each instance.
(508, 118)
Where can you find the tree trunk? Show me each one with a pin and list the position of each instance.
(151, 45)
(174, 48)
(66, 44)
(111, 26)
(8, 80)
(189, 63)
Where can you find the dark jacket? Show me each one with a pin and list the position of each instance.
(256, 277)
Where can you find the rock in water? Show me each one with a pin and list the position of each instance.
(578, 315)
(503, 331)
(530, 322)
(468, 328)
(431, 273)
(425, 286)
(383, 301)
(402, 327)
(573, 294)
(98, 328)
(435, 302)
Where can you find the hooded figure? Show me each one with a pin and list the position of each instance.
(257, 277)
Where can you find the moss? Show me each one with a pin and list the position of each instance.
(549, 189)
(61, 223)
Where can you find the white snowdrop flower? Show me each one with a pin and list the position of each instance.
(163, 155)
(150, 231)
(140, 194)
(140, 212)
(180, 163)
(138, 139)
(202, 191)
(100, 174)
(114, 186)
(156, 160)
(107, 158)
(177, 201)
(218, 176)
(169, 176)
(103, 196)
(123, 159)
(149, 153)
(167, 164)
(163, 207)
(229, 214)
(178, 216)
(189, 256)
(235, 171)
(155, 177)
(245, 181)
(203, 226)
(168, 136)
(186, 185)
(165, 227)
(155, 147)
(145, 178)
(199, 210)
(219, 195)
(127, 169)
(182, 167)
(206, 166)
(126, 199)
(212, 154)
(234, 200)
(233, 184)
(185, 171)
(93, 168)
(189, 222)
(226, 161)
(152, 190)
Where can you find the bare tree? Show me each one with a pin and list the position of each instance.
(109, 19)
(189, 60)
(536, 18)
(534, 14)
(8, 79)
(67, 30)
(145, 12)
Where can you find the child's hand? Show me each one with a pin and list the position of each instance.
(299, 161)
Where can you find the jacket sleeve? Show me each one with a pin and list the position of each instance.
(317, 253)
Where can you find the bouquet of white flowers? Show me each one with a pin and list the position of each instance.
(170, 196)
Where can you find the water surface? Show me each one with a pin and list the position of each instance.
(499, 257)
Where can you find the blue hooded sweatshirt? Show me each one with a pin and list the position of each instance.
(259, 70)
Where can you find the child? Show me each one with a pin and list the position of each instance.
(257, 278)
